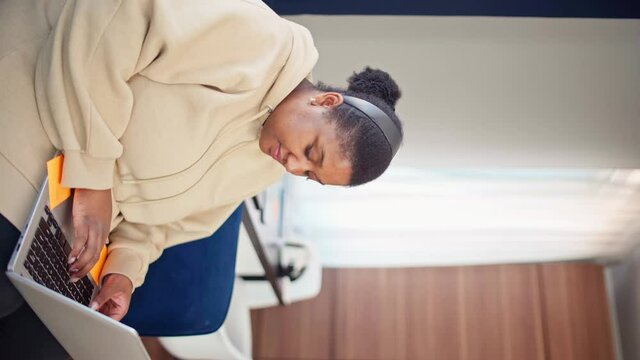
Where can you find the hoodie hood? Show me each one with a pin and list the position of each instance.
(299, 64)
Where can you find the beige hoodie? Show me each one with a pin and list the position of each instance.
(162, 101)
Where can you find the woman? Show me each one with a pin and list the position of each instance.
(169, 114)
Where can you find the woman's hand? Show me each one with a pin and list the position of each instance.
(114, 296)
(91, 221)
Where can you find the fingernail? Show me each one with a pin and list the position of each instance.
(94, 305)
(73, 279)
(71, 260)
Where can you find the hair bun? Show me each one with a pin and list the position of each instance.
(377, 83)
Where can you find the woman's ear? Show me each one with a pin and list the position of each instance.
(328, 99)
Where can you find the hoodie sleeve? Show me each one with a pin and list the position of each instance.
(96, 47)
(81, 85)
(134, 246)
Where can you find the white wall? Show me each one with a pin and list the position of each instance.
(478, 91)
(469, 217)
(487, 93)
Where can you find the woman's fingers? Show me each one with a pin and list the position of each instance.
(114, 297)
(79, 240)
(91, 220)
(91, 253)
(81, 270)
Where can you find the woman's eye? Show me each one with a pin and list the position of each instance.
(307, 152)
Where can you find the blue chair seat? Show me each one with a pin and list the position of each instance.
(188, 289)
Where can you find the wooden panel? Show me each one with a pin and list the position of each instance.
(576, 312)
(482, 314)
(501, 312)
(370, 315)
(303, 330)
(519, 312)
(522, 313)
(434, 322)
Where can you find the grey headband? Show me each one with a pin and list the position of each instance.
(382, 120)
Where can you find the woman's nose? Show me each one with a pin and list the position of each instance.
(295, 166)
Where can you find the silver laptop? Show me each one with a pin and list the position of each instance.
(38, 269)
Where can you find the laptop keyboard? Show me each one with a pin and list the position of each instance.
(47, 261)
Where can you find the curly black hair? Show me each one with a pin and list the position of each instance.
(361, 140)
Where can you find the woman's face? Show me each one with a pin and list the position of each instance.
(298, 135)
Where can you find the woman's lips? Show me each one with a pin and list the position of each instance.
(276, 152)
